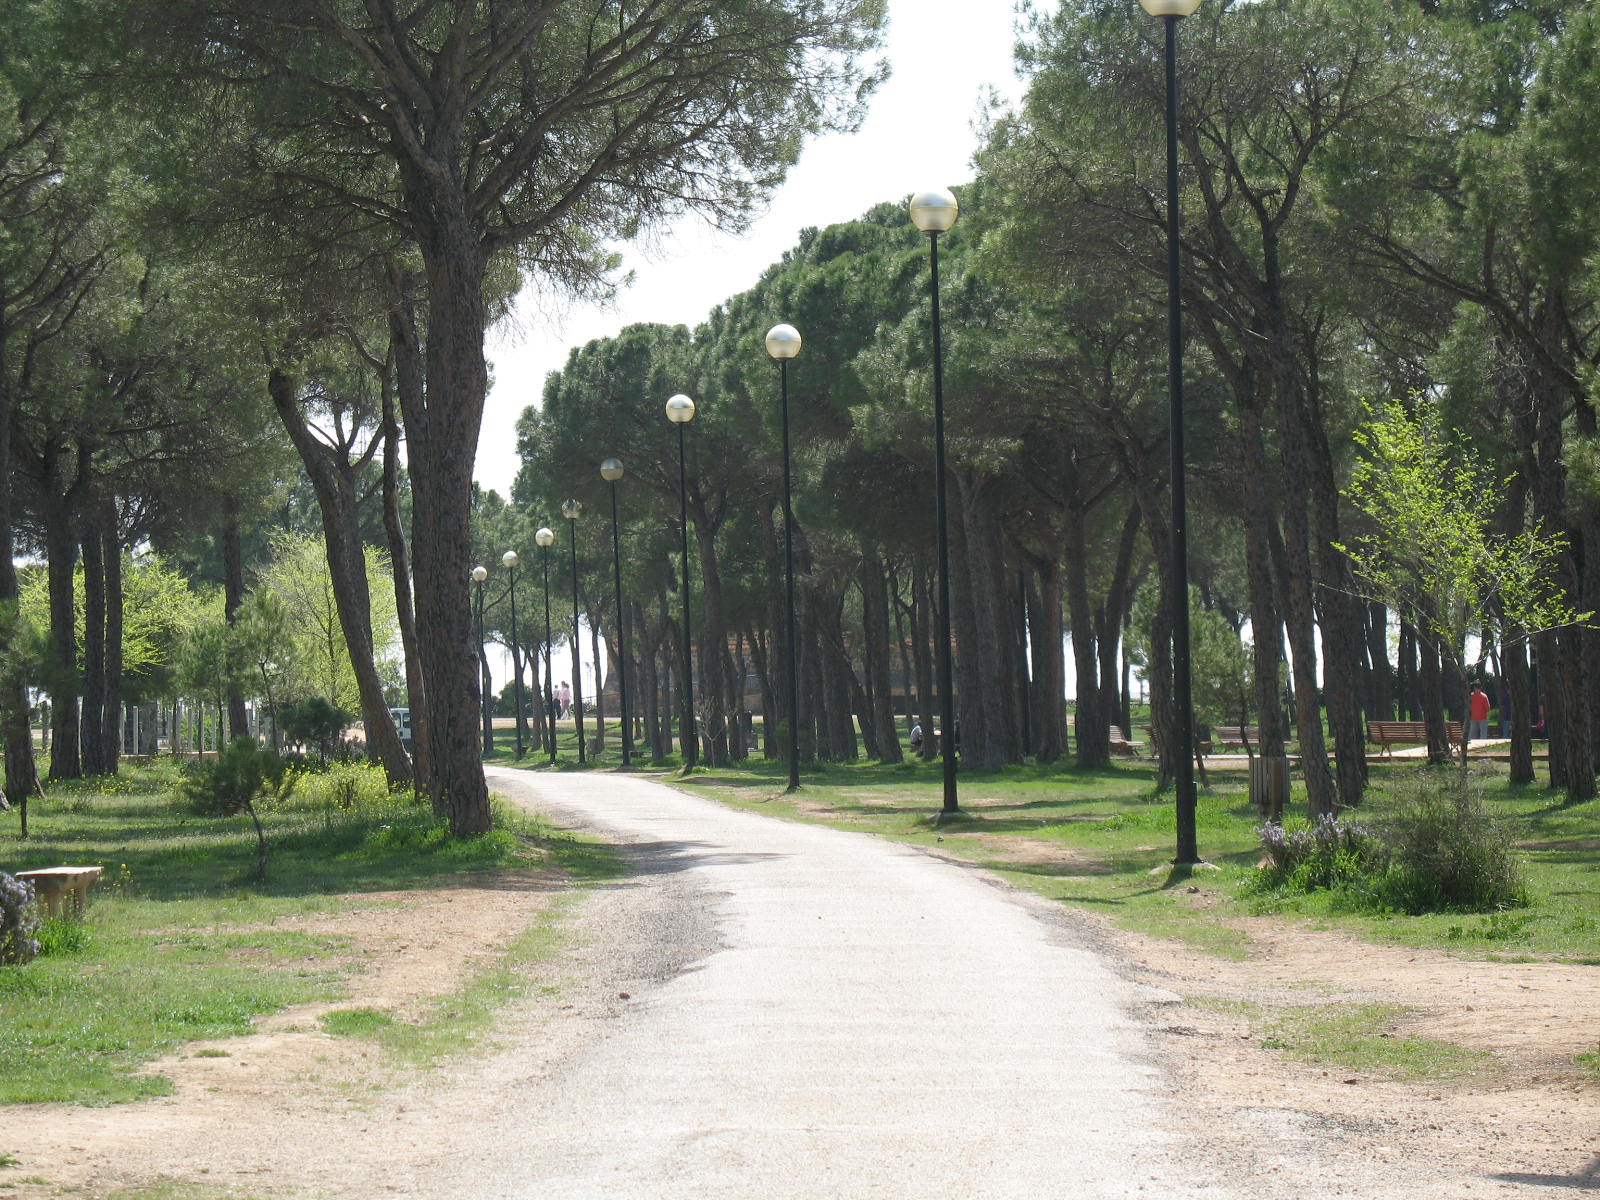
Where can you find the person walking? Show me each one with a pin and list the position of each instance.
(564, 696)
(1477, 714)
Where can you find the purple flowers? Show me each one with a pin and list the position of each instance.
(19, 920)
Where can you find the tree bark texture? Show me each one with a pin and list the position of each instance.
(333, 480)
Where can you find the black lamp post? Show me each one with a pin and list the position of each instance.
(545, 538)
(479, 574)
(783, 343)
(1188, 851)
(572, 510)
(935, 213)
(510, 560)
(680, 411)
(611, 471)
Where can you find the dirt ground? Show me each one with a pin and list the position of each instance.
(291, 1111)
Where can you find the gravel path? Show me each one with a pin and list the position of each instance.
(823, 1014)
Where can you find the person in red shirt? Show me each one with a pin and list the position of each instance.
(1478, 714)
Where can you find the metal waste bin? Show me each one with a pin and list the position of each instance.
(1269, 785)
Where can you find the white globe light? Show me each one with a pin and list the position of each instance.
(546, 536)
(783, 341)
(611, 470)
(936, 211)
(509, 558)
(680, 409)
(479, 574)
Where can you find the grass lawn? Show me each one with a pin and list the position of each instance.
(1103, 840)
(181, 943)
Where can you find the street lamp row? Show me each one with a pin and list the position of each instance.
(933, 213)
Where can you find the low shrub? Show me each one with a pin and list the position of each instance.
(19, 920)
(1326, 854)
(1436, 849)
(234, 780)
(1447, 854)
(343, 788)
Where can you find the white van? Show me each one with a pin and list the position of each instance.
(402, 722)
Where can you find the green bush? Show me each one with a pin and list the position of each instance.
(1436, 849)
(234, 780)
(1325, 855)
(343, 787)
(316, 722)
(1446, 853)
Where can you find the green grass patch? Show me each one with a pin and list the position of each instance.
(1370, 1039)
(181, 944)
(354, 1022)
(1102, 840)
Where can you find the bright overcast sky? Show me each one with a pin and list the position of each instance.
(945, 56)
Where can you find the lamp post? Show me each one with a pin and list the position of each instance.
(479, 574)
(510, 560)
(1188, 852)
(935, 213)
(611, 471)
(680, 411)
(545, 538)
(572, 510)
(783, 343)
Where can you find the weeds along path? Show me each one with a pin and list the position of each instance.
(870, 1021)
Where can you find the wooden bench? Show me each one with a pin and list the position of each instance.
(1121, 745)
(1202, 747)
(1237, 737)
(1408, 733)
(50, 884)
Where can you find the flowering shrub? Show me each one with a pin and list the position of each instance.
(1328, 853)
(1435, 849)
(19, 920)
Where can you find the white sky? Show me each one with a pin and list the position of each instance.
(944, 57)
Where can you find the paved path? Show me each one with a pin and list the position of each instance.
(863, 1020)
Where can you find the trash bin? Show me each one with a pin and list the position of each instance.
(1269, 785)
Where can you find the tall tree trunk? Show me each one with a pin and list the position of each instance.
(599, 742)
(92, 729)
(112, 697)
(907, 674)
(442, 423)
(1113, 618)
(1299, 607)
(334, 483)
(921, 638)
(1093, 719)
(232, 599)
(408, 376)
(1381, 693)
(1047, 641)
(1432, 678)
(875, 627)
(1260, 536)
(22, 771)
(61, 557)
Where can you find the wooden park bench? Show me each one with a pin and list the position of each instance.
(1237, 737)
(1121, 745)
(1202, 746)
(1408, 733)
(50, 884)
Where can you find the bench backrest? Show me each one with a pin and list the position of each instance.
(1408, 731)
